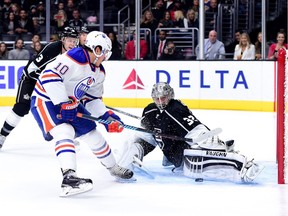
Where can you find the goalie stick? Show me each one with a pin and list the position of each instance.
(138, 164)
(124, 113)
(168, 136)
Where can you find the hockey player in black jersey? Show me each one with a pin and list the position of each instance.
(82, 35)
(69, 39)
(210, 159)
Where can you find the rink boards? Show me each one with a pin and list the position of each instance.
(230, 85)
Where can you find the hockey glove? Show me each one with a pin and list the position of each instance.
(68, 110)
(116, 123)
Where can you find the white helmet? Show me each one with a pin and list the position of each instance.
(161, 94)
(97, 38)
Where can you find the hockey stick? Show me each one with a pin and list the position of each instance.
(138, 164)
(168, 136)
(124, 113)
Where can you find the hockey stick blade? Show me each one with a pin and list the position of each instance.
(124, 113)
(138, 164)
(168, 136)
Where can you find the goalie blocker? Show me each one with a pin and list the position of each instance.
(219, 165)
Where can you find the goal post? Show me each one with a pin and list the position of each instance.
(282, 116)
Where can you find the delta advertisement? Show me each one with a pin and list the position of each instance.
(229, 85)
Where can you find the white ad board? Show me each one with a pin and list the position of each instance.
(202, 84)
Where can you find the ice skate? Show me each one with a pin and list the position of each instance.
(72, 185)
(2, 140)
(121, 173)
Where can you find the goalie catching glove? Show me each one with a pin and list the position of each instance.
(115, 124)
(68, 110)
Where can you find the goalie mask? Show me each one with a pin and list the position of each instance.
(161, 94)
(99, 39)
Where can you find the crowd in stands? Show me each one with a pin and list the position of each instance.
(26, 20)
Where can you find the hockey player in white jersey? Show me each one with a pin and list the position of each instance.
(210, 159)
(74, 83)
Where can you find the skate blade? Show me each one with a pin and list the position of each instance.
(121, 180)
(70, 191)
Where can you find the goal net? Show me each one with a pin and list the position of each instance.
(282, 116)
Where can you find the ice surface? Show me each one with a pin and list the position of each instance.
(30, 177)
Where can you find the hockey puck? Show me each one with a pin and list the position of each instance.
(199, 180)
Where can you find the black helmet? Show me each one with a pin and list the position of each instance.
(84, 29)
(69, 32)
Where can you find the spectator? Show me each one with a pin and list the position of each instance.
(130, 48)
(180, 20)
(172, 6)
(148, 22)
(15, 8)
(160, 44)
(258, 47)
(158, 11)
(3, 51)
(33, 12)
(31, 47)
(41, 13)
(57, 6)
(166, 21)
(245, 50)
(37, 49)
(77, 22)
(213, 48)
(169, 5)
(24, 4)
(192, 20)
(5, 9)
(69, 9)
(24, 24)
(171, 53)
(116, 47)
(19, 53)
(195, 7)
(273, 49)
(10, 24)
(212, 6)
(211, 14)
(92, 19)
(60, 21)
(231, 47)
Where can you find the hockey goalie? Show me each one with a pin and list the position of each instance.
(209, 159)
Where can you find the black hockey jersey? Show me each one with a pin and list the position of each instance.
(175, 119)
(47, 54)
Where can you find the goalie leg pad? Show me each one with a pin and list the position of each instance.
(130, 150)
(250, 171)
(213, 165)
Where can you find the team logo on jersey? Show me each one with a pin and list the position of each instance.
(83, 86)
(133, 81)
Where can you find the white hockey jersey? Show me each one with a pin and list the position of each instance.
(71, 74)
